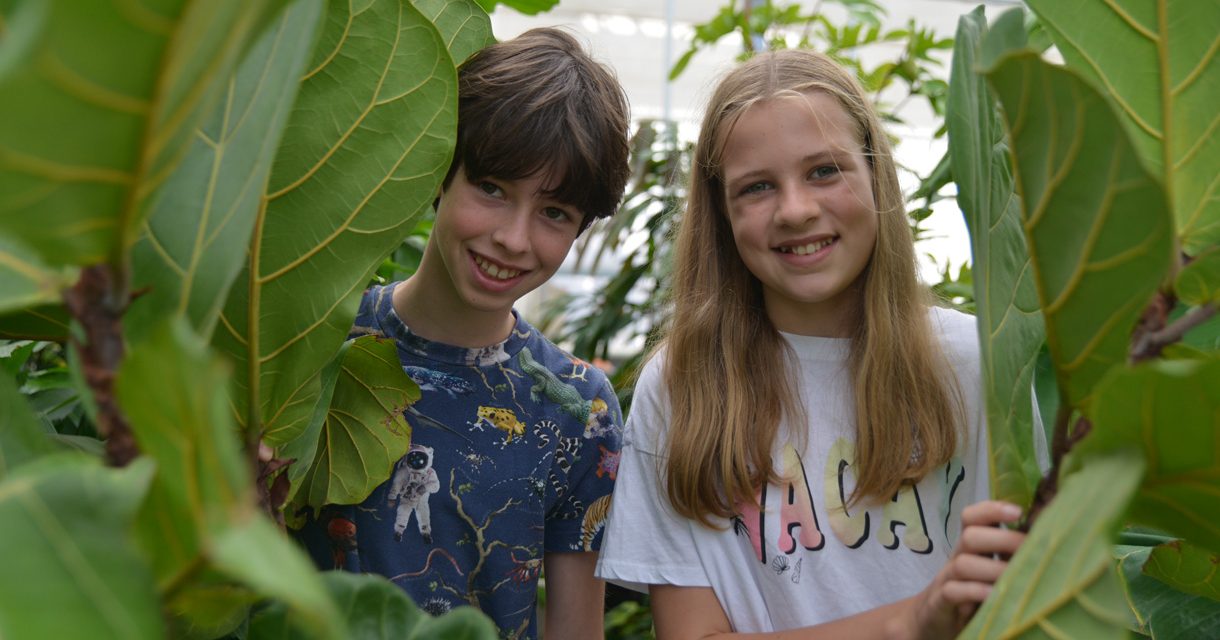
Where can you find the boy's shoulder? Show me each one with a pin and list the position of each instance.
(547, 363)
(375, 303)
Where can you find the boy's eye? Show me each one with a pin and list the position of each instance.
(556, 214)
(489, 188)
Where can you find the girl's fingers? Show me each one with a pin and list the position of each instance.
(972, 568)
(989, 540)
(990, 512)
(965, 593)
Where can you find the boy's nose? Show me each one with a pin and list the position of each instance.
(514, 234)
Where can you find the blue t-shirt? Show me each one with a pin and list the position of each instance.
(514, 452)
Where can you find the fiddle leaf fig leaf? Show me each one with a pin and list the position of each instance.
(1198, 283)
(1181, 493)
(100, 109)
(1186, 568)
(201, 510)
(463, 24)
(173, 392)
(1099, 232)
(195, 239)
(65, 541)
(1062, 582)
(1157, 62)
(377, 609)
(1161, 610)
(364, 433)
(528, 7)
(367, 145)
(25, 281)
(1009, 321)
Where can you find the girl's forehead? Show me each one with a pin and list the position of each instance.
(788, 112)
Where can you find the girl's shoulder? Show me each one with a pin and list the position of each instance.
(957, 333)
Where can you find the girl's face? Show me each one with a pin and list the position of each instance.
(800, 202)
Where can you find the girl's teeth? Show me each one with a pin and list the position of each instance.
(494, 271)
(807, 249)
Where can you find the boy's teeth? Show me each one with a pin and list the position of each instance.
(496, 272)
(807, 249)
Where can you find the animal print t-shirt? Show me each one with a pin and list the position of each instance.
(514, 453)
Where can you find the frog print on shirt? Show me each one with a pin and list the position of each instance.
(502, 419)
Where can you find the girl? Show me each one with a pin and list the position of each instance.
(801, 446)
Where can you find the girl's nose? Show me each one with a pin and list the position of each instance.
(796, 207)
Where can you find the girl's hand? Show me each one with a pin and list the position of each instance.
(945, 606)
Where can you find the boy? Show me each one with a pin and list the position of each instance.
(514, 443)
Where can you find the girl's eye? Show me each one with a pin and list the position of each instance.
(824, 172)
(489, 188)
(755, 188)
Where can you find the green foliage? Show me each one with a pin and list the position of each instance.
(1159, 609)
(376, 610)
(244, 167)
(1009, 321)
(1066, 587)
(364, 432)
(1079, 201)
(1156, 62)
(69, 507)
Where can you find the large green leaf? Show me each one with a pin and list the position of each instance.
(1009, 321)
(1097, 226)
(99, 112)
(1062, 583)
(1199, 282)
(173, 392)
(259, 555)
(47, 322)
(201, 510)
(70, 570)
(1157, 60)
(376, 609)
(22, 438)
(25, 281)
(528, 7)
(463, 24)
(1172, 411)
(364, 432)
(197, 233)
(367, 145)
(1186, 568)
(1162, 612)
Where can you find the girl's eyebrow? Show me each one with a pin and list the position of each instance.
(835, 154)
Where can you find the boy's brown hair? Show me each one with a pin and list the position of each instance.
(538, 102)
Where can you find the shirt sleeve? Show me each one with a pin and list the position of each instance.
(578, 524)
(646, 541)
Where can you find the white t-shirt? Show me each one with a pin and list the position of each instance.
(803, 560)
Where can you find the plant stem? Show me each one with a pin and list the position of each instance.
(98, 301)
(1150, 344)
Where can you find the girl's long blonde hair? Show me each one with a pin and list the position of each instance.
(729, 373)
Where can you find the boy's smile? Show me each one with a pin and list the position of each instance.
(493, 241)
(799, 198)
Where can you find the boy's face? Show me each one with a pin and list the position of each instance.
(500, 239)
